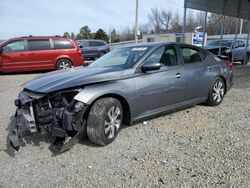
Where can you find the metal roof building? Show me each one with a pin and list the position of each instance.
(234, 8)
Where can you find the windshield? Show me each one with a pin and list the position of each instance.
(217, 43)
(123, 57)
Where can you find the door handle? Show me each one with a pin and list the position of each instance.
(178, 75)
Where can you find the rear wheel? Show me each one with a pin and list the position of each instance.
(104, 120)
(216, 93)
(63, 64)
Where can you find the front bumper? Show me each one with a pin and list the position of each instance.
(66, 123)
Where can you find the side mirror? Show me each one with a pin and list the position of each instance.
(80, 46)
(151, 67)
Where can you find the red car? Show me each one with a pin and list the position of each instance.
(39, 53)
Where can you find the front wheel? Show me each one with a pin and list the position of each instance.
(104, 120)
(216, 93)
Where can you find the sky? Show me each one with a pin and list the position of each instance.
(54, 17)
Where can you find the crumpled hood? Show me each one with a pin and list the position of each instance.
(69, 78)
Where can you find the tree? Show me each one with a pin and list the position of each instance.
(100, 34)
(175, 24)
(66, 34)
(155, 20)
(166, 18)
(115, 37)
(85, 32)
(78, 36)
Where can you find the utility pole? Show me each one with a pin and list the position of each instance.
(136, 22)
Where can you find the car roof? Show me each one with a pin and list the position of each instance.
(155, 44)
(39, 37)
(87, 40)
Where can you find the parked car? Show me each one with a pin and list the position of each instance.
(93, 48)
(124, 86)
(39, 53)
(227, 49)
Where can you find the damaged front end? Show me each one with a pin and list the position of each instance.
(56, 114)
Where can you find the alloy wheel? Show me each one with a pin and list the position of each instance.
(112, 122)
(218, 91)
(64, 65)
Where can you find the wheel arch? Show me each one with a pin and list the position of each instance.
(63, 57)
(225, 82)
(124, 102)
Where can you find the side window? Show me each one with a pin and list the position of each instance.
(100, 43)
(91, 43)
(15, 46)
(190, 55)
(241, 44)
(167, 56)
(155, 56)
(41, 44)
(84, 44)
(62, 44)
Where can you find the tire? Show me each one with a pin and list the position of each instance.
(104, 120)
(217, 92)
(101, 54)
(63, 64)
(247, 60)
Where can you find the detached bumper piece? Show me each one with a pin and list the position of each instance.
(59, 116)
(21, 124)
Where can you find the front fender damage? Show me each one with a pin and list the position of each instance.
(58, 115)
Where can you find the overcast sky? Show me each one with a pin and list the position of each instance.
(51, 17)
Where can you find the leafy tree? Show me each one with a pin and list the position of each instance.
(66, 34)
(100, 34)
(85, 32)
(78, 36)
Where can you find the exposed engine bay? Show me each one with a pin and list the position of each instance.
(55, 114)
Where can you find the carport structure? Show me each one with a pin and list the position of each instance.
(234, 8)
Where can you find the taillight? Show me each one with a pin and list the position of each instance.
(229, 64)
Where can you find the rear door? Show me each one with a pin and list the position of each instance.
(40, 54)
(14, 56)
(240, 50)
(196, 72)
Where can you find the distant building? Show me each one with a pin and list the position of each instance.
(190, 38)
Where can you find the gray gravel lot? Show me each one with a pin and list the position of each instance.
(196, 147)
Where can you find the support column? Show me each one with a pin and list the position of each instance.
(235, 38)
(204, 30)
(221, 32)
(246, 59)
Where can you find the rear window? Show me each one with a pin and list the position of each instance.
(41, 44)
(62, 44)
(191, 55)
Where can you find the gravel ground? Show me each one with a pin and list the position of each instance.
(196, 147)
